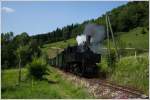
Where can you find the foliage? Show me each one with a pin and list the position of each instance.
(8, 50)
(129, 16)
(143, 31)
(12, 45)
(35, 49)
(23, 53)
(37, 68)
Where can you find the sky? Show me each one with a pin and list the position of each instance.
(37, 17)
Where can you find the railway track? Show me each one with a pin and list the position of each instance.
(133, 91)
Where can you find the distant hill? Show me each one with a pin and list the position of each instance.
(124, 18)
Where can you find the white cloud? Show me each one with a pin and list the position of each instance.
(7, 10)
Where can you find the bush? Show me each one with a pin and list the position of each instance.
(108, 63)
(37, 68)
(111, 59)
(104, 68)
(143, 31)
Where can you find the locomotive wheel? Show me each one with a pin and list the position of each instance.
(76, 69)
(80, 73)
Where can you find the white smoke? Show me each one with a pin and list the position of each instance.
(81, 39)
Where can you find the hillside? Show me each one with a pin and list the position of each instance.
(123, 18)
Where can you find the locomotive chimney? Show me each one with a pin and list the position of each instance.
(88, 38)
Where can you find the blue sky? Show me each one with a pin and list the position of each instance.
(37, 17)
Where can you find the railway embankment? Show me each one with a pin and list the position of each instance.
(103, 89)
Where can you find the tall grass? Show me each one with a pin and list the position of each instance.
(131, 71)
(41, 88)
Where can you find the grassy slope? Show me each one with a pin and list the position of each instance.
(40, 89)
(134, 39)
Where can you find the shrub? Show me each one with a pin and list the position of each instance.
(143, 31)
(37, 68)
(108, 63)
(45, 56)
(104, 68)
(111, 59)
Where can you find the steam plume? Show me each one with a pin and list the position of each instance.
(81, 39)
(97, 34)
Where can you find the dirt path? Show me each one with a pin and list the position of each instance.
(97, 90)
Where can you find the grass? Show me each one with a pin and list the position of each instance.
(131, 71)
(39, 89)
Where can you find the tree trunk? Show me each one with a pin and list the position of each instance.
(19, 77)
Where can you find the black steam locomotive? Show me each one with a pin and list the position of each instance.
(79, 60)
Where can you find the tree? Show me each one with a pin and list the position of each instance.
(7, 49)
(21, 52)
(22, 39)
(34, 48)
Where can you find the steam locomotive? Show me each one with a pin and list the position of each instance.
(82, 59)
(79, 60)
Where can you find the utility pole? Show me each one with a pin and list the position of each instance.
(112, 34)
(19, 73)
(107, 31)
(108, 25)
